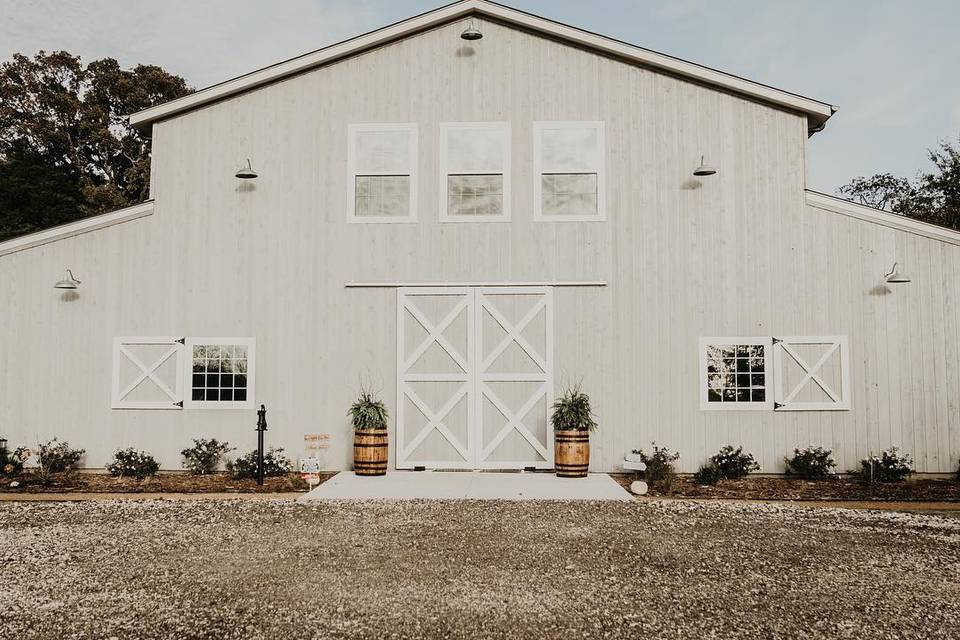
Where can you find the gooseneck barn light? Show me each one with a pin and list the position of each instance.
(896, 276)
(471, 32)
(69, 282)
(704, 169)
(247, 172)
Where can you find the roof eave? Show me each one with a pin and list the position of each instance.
(817, 112)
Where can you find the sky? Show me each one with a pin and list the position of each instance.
(891, 66)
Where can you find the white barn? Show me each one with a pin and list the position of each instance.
(467, 226)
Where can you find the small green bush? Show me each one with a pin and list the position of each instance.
(734, 463)
(205, 455)
(889, 466)
(813, 463)
(130, 462)
(274, 464)
(55, 456)
(659, 471)
(708, 473)
(572, 411)
(368, 412)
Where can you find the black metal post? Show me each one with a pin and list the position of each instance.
(261, 427)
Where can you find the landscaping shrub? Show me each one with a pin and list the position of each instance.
(708, 473)
(205, 455)
(130, 462)
(572, 411)
(813, 463)
(368, 412)
(274, 464)
(11, 462)
(55, 456)
(889, 466)
(659, 463)
(958, 470)
(734, 464)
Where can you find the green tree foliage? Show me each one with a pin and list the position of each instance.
(66, 150)
(931, 197)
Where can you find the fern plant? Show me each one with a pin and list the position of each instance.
(572, 411)
(368, 412)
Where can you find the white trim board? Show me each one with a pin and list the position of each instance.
(878, 216)
(817, 112)
(72, 229)
(549, 283)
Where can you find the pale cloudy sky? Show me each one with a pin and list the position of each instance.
(892, 67)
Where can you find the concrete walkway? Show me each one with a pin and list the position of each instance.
(467, 485)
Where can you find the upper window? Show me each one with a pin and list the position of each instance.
(475, 171)
(221, 372)
(382, 161)
(568, 171)
(735, 373)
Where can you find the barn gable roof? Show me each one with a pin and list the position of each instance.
(817, 112)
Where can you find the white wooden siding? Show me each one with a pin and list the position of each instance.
(739, 253)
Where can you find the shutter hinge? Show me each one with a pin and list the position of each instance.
(778, 405)
(178, 404)
(181, 340)
(776, 340)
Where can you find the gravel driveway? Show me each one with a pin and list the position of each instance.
(274, 569)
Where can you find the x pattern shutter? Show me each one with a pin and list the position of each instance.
(148, 373)
(811, 373)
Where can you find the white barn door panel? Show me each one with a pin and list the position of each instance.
(811, 373)
(474, 377)
(515, 377)
(435, 378)
(147, 373)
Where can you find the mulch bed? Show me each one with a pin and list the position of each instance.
(160, 483)
(841, 489)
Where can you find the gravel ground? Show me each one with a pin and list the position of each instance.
(664, 569)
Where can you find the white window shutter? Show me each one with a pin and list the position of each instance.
(811, 373)
(148, 373)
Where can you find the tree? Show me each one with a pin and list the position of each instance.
(931, 197)
(66, 150)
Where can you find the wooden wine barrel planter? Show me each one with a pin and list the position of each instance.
(571, 453)
(370, 452)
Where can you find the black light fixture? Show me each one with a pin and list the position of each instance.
(704, 169)
(471, 32)
(68, 282)
(247, 172)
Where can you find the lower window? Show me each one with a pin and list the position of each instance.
(221, 372)
(735, 373)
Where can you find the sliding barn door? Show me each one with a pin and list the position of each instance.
(514, 377)
(435, 378)
(474, 377)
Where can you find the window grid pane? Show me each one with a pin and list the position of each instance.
(219, 373)
(382, 196)
(569, 194)
(475, 195)
(736, 373)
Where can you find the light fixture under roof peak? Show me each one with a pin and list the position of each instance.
(471, 32)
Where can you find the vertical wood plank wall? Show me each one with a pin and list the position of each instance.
(736, 254)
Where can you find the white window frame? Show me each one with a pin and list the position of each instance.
(538, 127)
(767, 343)
(504, 169)
(175, 351)
(352, 172)
(190, 403)
(783, 397)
